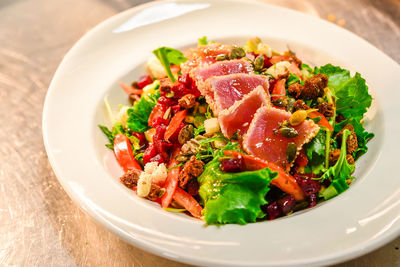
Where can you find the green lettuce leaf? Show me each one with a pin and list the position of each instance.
(110, 134)
(338, 173)
(169, 56)
(362, 135)
(352, 97)
(233, 197)
(138, 114)
(315, 152)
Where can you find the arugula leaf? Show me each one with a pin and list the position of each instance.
(339, 173)
(138, 114)
(233, 198)
(316, 152)
(362, 135)
(169, 56)
(352, 97)
(307, 71)
(293, 78)
(117, 129)
(203, 41)
(199, 130)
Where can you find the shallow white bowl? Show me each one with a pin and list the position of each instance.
(361, 219)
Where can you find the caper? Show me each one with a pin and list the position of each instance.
(291, 152)
(280, 102)
(290, 104)
(222, 57)
(237, 52)
(298, 117)
(185, 134)
(259, 62)
(288, 132)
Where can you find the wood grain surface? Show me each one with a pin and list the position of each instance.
(39, 224)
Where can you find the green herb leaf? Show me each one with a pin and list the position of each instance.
(339, 173)
(352, 97)
(138, 115)
(293, 78)
(203, 41)
(169, 56)
(315, 152)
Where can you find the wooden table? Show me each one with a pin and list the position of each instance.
(39, 224)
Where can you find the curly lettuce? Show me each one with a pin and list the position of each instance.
(233, 197)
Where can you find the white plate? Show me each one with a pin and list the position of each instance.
(361, 219)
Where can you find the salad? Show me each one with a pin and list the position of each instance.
(239, 134)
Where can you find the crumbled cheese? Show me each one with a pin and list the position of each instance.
(153, 173)
(155, 68)
(211, 126)
(280, 68)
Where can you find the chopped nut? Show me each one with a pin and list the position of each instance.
(295, 90)
(130, 178)
(192, 169)
(300, 105)
(326, 109)
(314, 87)
(350, 159)
(165, 85)
(187, 101)
(351, 142)
(334, 156)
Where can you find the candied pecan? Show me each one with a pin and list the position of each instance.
(334, 156)
(350, 159)
(165, 85)
(300, 105)
(314, 87)
(326, 109)
(351, 142)
(187, 101)
(130, 178)
(295, 90)
(192, 169)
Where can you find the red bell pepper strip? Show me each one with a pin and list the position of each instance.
(301, 159)
(276, 59)
(123, 153)
(174, 124)
(157, 112)
(130, 90)
(284, 181)
(323, 121)
(171, 183)
(188, 202)
(279, 90)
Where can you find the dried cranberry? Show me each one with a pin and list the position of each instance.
(312, 200)
(159, 122)
(273, 210)
(267, 62)
(272, 83)
(186, 80)
(179, 89)
(144, 80)
(286, 204)
(232, 165)
(167, 101)
(149, 153)
(193, 187)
